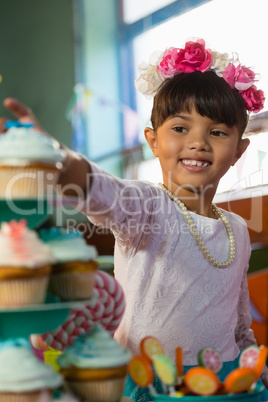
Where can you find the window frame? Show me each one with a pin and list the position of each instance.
(128, 32)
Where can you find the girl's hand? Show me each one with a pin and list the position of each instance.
(22, 112)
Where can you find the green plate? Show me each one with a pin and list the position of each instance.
(35, 211)
(17, 322)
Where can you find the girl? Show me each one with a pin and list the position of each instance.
(181, 261)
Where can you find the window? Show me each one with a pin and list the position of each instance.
(135, 10)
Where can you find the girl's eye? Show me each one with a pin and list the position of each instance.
(217, 133)
(179, 129)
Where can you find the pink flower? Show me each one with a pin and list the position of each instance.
(194, 57)
(230, 73)
(168, 66)
(240, 77)
(245, 78)
(254, 99)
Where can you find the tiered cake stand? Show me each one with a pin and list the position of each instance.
(35, 319)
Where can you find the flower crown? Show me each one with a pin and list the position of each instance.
(195, 57)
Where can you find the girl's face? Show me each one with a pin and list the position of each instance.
(195, 152)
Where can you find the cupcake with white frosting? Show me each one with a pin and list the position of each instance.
(23, 377)
(73, 272)
(95, 366)
(25, 265)
(30, 163)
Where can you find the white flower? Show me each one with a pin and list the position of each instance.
(150, 78)
(219, 62)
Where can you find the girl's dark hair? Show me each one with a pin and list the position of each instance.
(208, 93)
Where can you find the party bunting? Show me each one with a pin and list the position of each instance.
(77, 110)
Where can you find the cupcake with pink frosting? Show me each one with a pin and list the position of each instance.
(25, 265)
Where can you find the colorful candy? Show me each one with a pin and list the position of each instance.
(240, 380)
(179, 362)
(150, 346)
(201, 381)
(140, 371)
(261, 360)
(210, 358)
(165, 369)
(249, 356)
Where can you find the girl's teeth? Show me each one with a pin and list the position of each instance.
(195, 163)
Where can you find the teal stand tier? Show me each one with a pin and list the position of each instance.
(254, 396)
(35, 211)
(21, 322)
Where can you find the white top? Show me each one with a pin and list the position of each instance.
(171, 291)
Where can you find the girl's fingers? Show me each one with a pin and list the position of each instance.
(17, 108)
(21, 111)
(2, 124)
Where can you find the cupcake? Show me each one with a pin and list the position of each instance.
(95, 366)
(73, 272)
(23, 377)
(30, 163)
(25, 265)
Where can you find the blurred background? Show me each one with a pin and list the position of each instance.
(74, 63)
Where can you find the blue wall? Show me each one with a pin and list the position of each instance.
(100, 48)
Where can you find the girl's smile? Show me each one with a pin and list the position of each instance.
(195, 165)
(195, 152)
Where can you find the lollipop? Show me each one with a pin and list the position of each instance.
(261, 360)
(150, 347)
(166, 370)
(210, 358)
(141, 372)
(240, 380)
(179, 364)
(249, 356)
(202, 381)
(106, 307)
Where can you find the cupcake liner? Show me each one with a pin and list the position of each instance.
(26, 181)
(72, 285)
(23, 291)
(24, 396)
(98, 391)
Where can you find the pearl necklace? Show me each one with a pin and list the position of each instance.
(206, 253)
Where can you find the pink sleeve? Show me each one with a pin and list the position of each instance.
(123, 206)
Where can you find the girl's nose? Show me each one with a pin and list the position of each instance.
(198, 141)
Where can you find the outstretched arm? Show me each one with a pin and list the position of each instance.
(75, 170)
